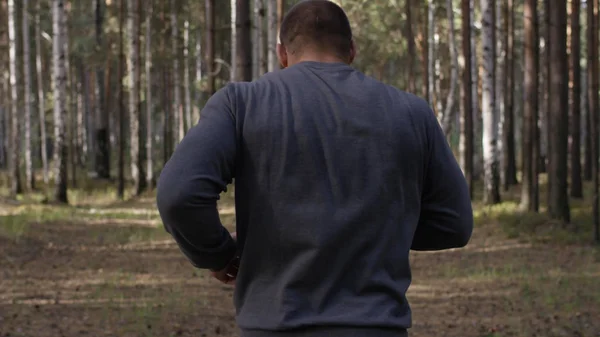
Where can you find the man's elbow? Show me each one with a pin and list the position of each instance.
(463, 235)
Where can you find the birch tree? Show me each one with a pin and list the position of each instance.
(490, 125)
(14, 143)
(234, 31)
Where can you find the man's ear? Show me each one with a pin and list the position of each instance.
(352, 52)
(282, 55)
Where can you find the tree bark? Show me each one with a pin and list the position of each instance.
(576, 184)
(60, 99)
(243, 41)
(490, 120)
(149, 97)
(27, 98)
(102, 120)
(40, 92)
(509, 156)
(14, 143)
(467, 106)
(558, 200)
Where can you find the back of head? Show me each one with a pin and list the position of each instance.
(316, 25)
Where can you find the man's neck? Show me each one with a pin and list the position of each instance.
(322, 58)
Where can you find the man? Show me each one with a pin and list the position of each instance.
(337, 177)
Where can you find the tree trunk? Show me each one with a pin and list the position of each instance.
(508, 133)
(186, 75)
(466, 132)
(576, 184)
(233, 41)
(243, 41)
(198, 87)
(272, 34)
(27, 99)
(177, 108)
(60, 99)
(412, 87)
(477, 147)
(490, 125)
(500, 78)
(121, 107)
(558, 200)
(40, 92)
(431, 54)
(102, 120)
(594, 104)
(210, 45)
(258, 43)
(448, 112)
(14, 143)
(149, 97)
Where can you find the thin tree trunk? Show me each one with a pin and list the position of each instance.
(81, 113)
(121, 107)
(530, 159)
(594, 105)
(210, 45)
(478, 146)
(149, 96)
(450, 100)
(466, 132)
(40, 92)
(431, 54)
(545, 80)
(198, 87)
(259, 41)
(576, 184)
(232, 25)
(186, 75)
(490, 126)
(14, 144)
(27, 98)
(102, 121)
(272, 34)
(558, 200)
(412, 87)
(508, 133)
(500, 79)
(243, 41)
(59, 48)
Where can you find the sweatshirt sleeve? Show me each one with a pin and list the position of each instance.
(446, 219)
(192, 180)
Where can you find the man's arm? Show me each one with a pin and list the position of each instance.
(191, 182)
(446, 219)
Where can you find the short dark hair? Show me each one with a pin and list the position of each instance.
(320, 24)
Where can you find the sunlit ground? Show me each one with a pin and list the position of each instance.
(107, 268)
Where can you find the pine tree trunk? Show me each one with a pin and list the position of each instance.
(149, 97)
(273, 63)
(431, 53)
(558, 200)
(232, 24)
(594, 105)
(186, 75)
(508, 132)
(259, 42)
(576, 184)
(412, 87)
(121, 107)
(177, 108)
(40, 92)
(198, 96)
(450, 100)
(102, 121)
(243, 41)
(500, 80)
(210, 45)
(530, 175)
(477, 147)
(59, 47)
(27, 99)
(466, 132)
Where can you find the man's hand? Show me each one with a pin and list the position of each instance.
(228, 274)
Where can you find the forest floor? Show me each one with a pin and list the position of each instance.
(106, 268)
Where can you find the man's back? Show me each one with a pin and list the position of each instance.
(328, 197)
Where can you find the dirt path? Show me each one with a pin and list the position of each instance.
(117, 274)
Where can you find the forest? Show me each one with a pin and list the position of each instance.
(95, 96)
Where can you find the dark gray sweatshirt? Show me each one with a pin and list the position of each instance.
(337, 177)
